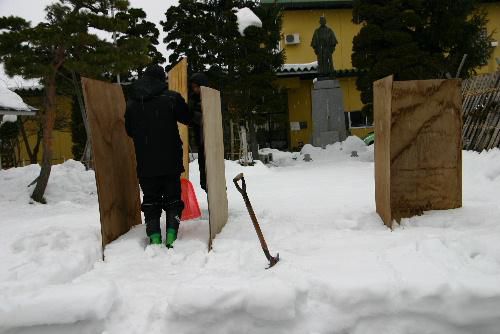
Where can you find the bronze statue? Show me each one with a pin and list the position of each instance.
(323, 43)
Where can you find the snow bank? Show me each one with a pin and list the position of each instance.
(69, 182)
(341, 269)
(45, 248)
(57, 304)
(247, 18)
(340, 151)
(281, 158)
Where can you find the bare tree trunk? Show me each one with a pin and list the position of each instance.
(254, 146)
(48, 126)
(32, 154)
(87, 152)
(36, 149)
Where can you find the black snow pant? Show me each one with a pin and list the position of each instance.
(161, 192)
(203, 171)
(201, 157)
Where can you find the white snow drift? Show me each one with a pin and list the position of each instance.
(341, 271)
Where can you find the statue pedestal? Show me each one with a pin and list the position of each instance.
(328, 118)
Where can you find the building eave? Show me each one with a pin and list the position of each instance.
(17, 112)
(311, 73)
(304, 4)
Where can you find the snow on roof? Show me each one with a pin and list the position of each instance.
(247, 18)
(10, 100)
(307, 67)
(11, 103)
(8, 119)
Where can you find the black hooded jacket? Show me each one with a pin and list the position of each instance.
(151, 121)
(194, 99)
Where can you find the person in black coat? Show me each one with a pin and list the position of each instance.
(151, 121)
(196, 81)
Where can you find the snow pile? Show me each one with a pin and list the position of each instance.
(69, 182)
(57, 304)
(44, 248)
(247, 18)
(281, 158)
(11, 101)
(340, 151)
(341, 269)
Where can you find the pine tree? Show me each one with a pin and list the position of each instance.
(242, 67)
(190, 33)
(138, 27)
(416, 39)
(66, 41)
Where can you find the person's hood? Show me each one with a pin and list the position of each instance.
(151, 84)
(155, 71)
(200, 79)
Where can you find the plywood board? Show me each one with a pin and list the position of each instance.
(178, 82)
(214, 152)
(382, 122)
(418, 156)
(114, 159)
(426, 146)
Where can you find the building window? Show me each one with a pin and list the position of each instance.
(357, 120)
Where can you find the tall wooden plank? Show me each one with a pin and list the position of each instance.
(214, 155)
(178, 82)
(426, 154)
(382, 90)
(418, 147)
(114, 159)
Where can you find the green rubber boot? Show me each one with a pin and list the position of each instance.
(155, 239)
(171, 237)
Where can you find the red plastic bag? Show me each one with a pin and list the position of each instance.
(191, 207)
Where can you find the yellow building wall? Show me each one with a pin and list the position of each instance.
(304, 22)
(62, 140)
(299, 106)
(351, 95)
(299, 109)
(493, 26)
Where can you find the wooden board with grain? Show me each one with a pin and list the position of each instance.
(114, 159)
(423, 141)
(214, 155)
(382, 124)
(178, 82)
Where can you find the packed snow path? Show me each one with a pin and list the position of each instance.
(342, 270)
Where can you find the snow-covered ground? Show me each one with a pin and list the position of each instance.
(341, 270)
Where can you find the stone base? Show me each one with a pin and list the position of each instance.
(328, 118)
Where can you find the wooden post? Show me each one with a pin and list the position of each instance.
(178, 82)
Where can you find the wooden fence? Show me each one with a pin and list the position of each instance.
(481, 112)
